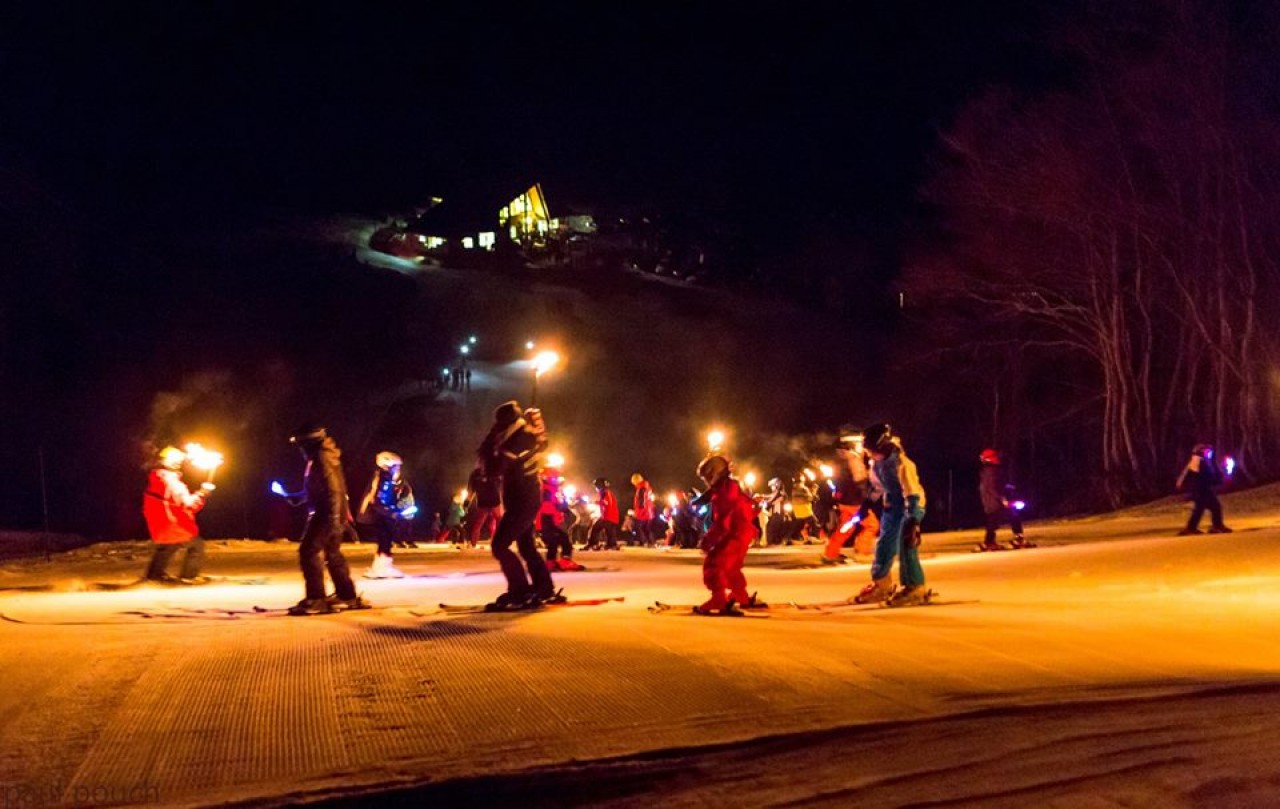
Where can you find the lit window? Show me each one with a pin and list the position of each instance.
(468, 242)
(515, 234)
(542, 226)
(487, 240)
(434, 242)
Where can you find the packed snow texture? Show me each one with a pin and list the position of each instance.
(1114, 665)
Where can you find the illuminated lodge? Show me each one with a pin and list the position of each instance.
(476, 219)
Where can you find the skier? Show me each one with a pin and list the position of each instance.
(551, 523)
(324, 492)
(1199, 478)
(996, 492)
(454, 515)
(803, 527)
(485, 508)
(775, 527)
(607, 524)
(511, 450)
(384, 509)
(581, 528)
(684, 523)
(904, 510)
(727, 542)
(642, 510)
(170, 509)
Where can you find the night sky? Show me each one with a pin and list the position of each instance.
(140, 142)
(780, 111)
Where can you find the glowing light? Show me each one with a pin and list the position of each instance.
(854, 520)
(787, 507)
(1019, 505)
(555, 460)
(202, 458)
(1230, 464)
(826, 470)
(570, 491)
(465, 349)
(528, 345)
(278, 488)
(831, 484)
(811, 475)
(715, 440)
(672, 500)
(462, 496)
(472, 339)
(750, 480)
(409, 512)
(444, 372)
(545, 361)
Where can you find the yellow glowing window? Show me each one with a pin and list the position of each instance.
(468, 242)
(487, 240)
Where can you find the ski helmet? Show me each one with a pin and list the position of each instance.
(172, 458)
(878, 437)
(990, 456)
(308, 434)
(713, 468)
(386, 461)
(637, 479)
(600, 483)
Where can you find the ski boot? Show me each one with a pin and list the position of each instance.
(876, 591)
(506, 602)
(984, 547)
(356, 602)
(713, 606)
(569, 564)
(310, 606)
(909, 596)
(556, 597)
(1019, 541)
(840, 559)
(1220, 529)
(1187, 532)
(753, 602)
(382, 568)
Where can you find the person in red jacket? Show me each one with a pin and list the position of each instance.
(642, 510)
(170, 509)
(727, 541)
(609, 520)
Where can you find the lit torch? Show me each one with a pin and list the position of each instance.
(827, 471)
(206, 459)
(1229, 464)
(715, 440)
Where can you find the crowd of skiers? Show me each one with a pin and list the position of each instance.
(871, 499)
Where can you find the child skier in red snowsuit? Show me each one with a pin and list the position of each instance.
(726, 542)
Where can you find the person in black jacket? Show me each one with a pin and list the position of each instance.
(511, 451)
(485, 506)
(997, 494)
(324, 492)
(1199, 478)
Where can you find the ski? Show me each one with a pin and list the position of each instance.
(203, 580)
(469, 609)
(663, 608)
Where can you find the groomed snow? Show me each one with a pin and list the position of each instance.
(1115, 665)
